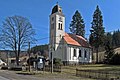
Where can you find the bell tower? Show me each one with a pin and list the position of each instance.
(57, 26)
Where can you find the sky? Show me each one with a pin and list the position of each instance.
(38, 12)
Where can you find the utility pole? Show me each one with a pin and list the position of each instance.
(51, 49)
(52, 62)
(29, 54)
(7, 58)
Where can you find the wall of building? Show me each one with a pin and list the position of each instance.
(76, 59)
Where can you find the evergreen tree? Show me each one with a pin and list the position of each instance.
(109, 51)
(116, 39)
(77, 24)
(42, 49)
(97, 31)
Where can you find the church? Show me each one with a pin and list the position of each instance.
(70, 48)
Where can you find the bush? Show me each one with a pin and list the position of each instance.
(32, 59)
(4, 67)
(115, 60)
(57, 61)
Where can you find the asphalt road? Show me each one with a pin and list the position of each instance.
(11, 75)
(2, 78)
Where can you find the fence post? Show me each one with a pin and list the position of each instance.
(76, 71)
(106, 75)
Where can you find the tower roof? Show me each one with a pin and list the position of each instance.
(56, 9)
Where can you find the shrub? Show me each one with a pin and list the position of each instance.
(57, 61)
(115, 60)
(32, 59)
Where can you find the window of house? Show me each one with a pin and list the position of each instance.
(59, 26)
(80, 53)
(74, 51)
(85, 53)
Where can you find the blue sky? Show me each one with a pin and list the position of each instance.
(38, 11)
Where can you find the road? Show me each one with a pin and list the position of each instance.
(11, 75)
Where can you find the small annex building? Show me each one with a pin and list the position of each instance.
(70, 48)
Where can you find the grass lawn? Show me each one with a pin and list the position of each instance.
(69, 72)
(100, 67)
(92, 67)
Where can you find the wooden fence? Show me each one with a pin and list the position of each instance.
(96, 74)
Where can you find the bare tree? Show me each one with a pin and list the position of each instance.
(16, 32)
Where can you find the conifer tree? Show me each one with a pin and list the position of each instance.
(116, 39)
(97, 31)
(109, 51)
(77, 24)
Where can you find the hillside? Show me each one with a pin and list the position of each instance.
(101, 54)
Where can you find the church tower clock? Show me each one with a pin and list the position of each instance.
(57, 29)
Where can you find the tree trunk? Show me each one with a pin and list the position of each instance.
(17, 60)
(18, 54)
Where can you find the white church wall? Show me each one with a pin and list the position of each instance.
(82, 59)
(71, 54)
(59, 33)
(65, 54)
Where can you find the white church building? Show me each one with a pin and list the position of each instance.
(70, 48)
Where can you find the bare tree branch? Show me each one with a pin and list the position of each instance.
(16, 32)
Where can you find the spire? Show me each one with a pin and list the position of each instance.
(56, 9)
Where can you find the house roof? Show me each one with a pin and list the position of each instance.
(73, 39)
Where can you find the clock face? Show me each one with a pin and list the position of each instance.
(60, 19)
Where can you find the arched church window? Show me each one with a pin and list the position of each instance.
(80, 55)
(59, 26)
(74, 51)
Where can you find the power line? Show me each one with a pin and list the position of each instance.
(59, 36)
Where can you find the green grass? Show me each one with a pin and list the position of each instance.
(100, 67)
(69, 72)
(94, 67)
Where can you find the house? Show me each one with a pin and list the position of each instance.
(2, 63)
(8, 56)
(70, 48)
